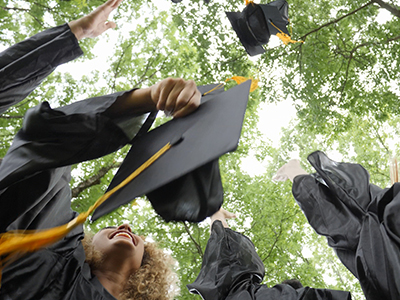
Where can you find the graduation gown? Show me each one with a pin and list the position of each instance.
(232, 270)
(360, 220)
(35, 173)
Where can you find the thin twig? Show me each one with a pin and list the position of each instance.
(380, 139)
(351, 57)
(11, 117)
(198, 247)
(337, 20)
(93, 180)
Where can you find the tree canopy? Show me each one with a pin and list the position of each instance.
(343, 81)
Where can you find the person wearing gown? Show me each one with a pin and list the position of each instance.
(232, 270)
(35, 173)
(359, 219)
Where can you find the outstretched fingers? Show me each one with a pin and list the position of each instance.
(289, 171)
(110, 5)
(95, 23)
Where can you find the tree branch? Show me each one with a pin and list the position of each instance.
(380, 139)
(11, 117)
(351, 56)
(15, 8)
(116, 72)
(336, 271)
(28, 11)
(393, 10)
(277, 236)
(93, 180)
(232, 60)
(118, 64)
(143, 78)
(346, 76)
(149, 63)
(196, 244)
(284, 219)
(337, 20)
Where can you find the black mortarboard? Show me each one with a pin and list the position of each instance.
(257, 22)
(184, 183)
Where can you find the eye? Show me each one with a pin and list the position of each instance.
(108, 227)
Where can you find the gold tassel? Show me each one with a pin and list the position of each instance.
(285, 38)
(241, 79)
(238, 80)
(16, 243)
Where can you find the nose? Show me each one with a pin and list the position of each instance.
(125, 227)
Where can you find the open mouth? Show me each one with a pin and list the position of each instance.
(124, 234)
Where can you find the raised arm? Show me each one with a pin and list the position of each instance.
(175, 96)
(231, 268)
(26, 64)
(289, 171)
(95, 23)
(222, 215)
(54, 138)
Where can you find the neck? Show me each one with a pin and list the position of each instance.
(113, 282)
(113, 275)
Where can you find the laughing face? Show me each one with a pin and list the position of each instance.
(119, 243)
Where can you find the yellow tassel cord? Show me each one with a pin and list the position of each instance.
(394, 170)
(15, 243)
(239, 80)
(285, 38)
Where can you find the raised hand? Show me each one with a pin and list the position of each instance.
(227, 214)
(222, 215)
(95, 23)
(176, 96)
(289, 171)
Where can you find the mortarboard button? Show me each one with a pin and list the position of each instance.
(257, 22)
(184, 183)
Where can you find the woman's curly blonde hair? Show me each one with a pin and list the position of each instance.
(155, 280)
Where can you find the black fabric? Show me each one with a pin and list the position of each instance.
(276, 13)
(200, 195)
(255, 24)
(359, 219)
(198, 139)
(22, 68)
(35, 173)
(232, 270)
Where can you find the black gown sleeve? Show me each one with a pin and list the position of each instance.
(24, 65)
(35, 170)
(34, 174)
(230, 263)
(359, 219)
(232, 270)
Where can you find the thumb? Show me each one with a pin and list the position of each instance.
(109, 24)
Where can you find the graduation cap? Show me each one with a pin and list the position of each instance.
(175, 165)
(257, 22)
(184, 183)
